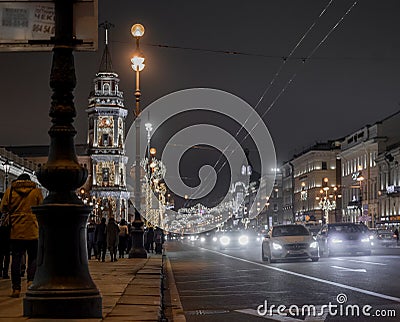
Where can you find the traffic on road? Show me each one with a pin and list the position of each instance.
(241, 283)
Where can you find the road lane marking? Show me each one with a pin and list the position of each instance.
(359, 270)
(358, 261)
(248, 270)
(223, 295)
(213, 279)
(352, 288)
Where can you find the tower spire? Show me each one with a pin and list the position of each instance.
(106, 64)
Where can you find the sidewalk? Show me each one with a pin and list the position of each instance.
(130, 288)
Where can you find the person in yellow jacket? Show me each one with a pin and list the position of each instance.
(17, 201)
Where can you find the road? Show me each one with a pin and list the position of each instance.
(235, 285)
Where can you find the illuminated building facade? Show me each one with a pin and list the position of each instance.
(106, 144)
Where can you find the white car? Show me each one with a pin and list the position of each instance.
(287, 242)
(233, 239)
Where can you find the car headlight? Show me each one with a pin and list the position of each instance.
(314, 244)
(276, 246)
(243, 240)
(215, 239)
(224, 240)
(365, 240)
(336, 240)
(258, 239)
(202, 239)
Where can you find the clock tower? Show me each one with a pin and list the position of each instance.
(106, 142)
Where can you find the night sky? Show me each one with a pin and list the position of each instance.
(350, 80)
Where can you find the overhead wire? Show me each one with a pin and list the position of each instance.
(292, 77)
(270, 84)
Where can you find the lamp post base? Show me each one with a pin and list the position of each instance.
(62, 287)
(137, 250)
(65, 306)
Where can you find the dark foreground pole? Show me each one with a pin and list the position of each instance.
(62, 287)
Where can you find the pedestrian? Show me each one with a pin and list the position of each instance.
(4, 245)
(146, 243)
(90, 238)
(129, 238)
(23, 264)
(17, 201)
(112, 238)
(100, 236)
(150, 240)
(123, 237)
(158, 239)
(396, 233)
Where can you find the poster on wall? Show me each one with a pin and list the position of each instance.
(30, 25)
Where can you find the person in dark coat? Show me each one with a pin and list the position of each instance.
(396, 233)
(158, 239)
(129, 238)
(123, 236)
(90, 238)
(150, 240)
(112, 238)
(4, 248)
(100, 234)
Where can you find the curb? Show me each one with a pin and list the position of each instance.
(178, 314)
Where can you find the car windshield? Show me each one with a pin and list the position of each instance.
(345, 229)
(293, 230)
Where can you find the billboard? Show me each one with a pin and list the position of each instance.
(29, 25)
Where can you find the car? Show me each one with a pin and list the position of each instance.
(287, 242)
(343, 238)
(233, 239)
(314, 229)
(383, 238)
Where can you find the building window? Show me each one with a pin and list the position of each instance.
(105, 139)
(324, 165)
(105, 176)
(106, 88)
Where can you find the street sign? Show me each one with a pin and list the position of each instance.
(30, 25)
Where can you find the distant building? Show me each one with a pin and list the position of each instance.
(106, 144)
(388, 213)
(365, 197)
(12, 165)
(316, 179)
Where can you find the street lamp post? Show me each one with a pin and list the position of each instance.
(360, 178)
(6, 166)
(325, 202)
(149, 128)
(137, 250)
(62, 287)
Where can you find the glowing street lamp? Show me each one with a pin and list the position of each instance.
(137, 61)
(325, 202)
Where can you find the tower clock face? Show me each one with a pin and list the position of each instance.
(106, 122)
